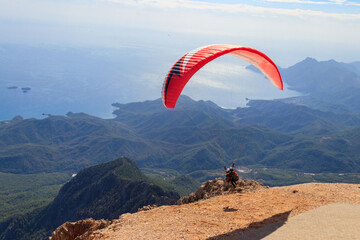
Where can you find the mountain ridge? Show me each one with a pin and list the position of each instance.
(102, 191)
(183, 140)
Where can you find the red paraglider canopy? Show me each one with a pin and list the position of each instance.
(191, 62)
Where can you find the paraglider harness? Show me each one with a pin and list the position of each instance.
(231, 175)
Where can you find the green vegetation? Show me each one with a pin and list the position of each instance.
(22, 193)
(185, 184)
(270, 133)
(280, 177)
(171, 180)
(205, 175)
(102, 191)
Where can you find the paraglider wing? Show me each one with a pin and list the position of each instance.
(191, 62)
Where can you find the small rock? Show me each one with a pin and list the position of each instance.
(219, 186)
(147, 208)
(82, 229)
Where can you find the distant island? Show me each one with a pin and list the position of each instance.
(25, 89)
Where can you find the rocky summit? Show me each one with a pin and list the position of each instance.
(224, 217)
(218, 187)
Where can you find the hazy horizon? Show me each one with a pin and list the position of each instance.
(81, 55)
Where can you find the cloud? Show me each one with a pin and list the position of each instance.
(176, 26)
(297, 1)
(244, 8)
(353, 4)
(308, 2)
(330, 2)
(338, 1)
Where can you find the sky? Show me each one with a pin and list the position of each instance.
(161, 31)
(290, 29)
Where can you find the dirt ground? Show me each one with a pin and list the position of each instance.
(229, 216)
(335, 221)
